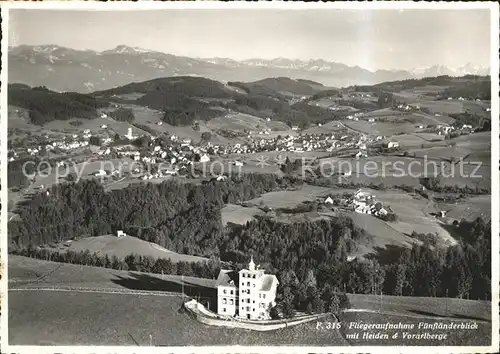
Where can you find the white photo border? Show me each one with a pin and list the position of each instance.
(292, 6)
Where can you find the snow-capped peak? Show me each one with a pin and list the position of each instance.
(45, 48)
(123, 49)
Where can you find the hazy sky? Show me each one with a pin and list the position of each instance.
(375, 39)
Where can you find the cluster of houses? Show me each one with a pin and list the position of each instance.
(446, 130)
(362, 202)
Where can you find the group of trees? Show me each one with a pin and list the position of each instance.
(133, 262)
(184, 217)
(434, 183)
(467, 118)
(462, 270)
(122, 115)
(45, 105)
(477, 87)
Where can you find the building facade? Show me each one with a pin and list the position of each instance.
(247, 294)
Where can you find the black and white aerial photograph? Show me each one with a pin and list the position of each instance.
(267, 176)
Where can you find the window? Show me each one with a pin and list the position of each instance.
(224, 301)
(253, 309)
(248, 283)
(254, 301)
(232, 292)
(242, 307)
(224, 309)
(243, 275)
(231, 302)
(254, 285)
(263, 296)
(260, 296)
(224, 291)
(248, 291)
(254, 276)
(248, 301)
(248, 308)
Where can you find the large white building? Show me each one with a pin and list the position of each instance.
(247, 294)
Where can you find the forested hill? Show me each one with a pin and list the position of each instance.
(469, 86)
(283, 85)
(45, 105)
(185, 99)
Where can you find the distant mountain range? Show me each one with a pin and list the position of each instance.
(65, 69)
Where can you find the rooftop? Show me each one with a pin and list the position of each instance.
(267, 282)
(227, 278)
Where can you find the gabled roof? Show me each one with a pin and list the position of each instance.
(267, 282)
(227, 278)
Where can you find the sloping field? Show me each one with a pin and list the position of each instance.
(27, 272)
(123, 246)
(288, 199)
(444, 106)
(237, 214)
(377, 128)
(396, 171)
(383, 112)
(384, 233)
(474, 207)
(434, 306)
(84, 318)
(150, 117)
(241, 122)
(408, 140)
(18, 117)
(94, 125)
(330, 127)
(413, 214)
(62, 318)
(79, 318)
(418, 93)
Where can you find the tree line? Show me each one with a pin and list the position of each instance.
(184, 217)
(132, 262)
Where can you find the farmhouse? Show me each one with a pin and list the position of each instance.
(392, 144)
(248, 294)
(205, 158)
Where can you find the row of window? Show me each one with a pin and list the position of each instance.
(248, 284)
(231, 301)
(248, 308)
(244, 291)
(244, 275)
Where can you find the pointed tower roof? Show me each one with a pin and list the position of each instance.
(251, 265)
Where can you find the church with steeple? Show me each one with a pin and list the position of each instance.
(247, 294)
